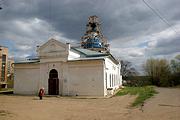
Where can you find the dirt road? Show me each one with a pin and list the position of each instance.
(53, 108)
(164, 106)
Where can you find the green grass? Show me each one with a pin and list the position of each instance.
(143, 93)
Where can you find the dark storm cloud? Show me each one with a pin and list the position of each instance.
(165, 45)
(119, 18)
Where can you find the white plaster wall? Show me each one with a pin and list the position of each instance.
(54, 59)
(45, 68)
(72, 55)
(26, 78)
(44, 75)
(114, 70)
(85, 78)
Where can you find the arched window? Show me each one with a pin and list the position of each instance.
(53, 74)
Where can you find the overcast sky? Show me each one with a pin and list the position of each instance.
(134, 32)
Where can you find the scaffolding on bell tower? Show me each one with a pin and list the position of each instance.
(93, 38)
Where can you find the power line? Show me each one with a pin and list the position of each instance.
(159, 15)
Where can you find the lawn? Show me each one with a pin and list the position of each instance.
(143, 93)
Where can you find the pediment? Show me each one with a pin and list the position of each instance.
(52, 45)
(53, 48)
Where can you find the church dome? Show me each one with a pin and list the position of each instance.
(93, 43)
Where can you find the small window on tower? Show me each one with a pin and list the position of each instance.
(93, 26)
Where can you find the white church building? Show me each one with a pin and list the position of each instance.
(88, 70)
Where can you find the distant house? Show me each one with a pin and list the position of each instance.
(10, 68)
(3, 66)
(66, 70)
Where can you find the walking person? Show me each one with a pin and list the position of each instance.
(41, 93)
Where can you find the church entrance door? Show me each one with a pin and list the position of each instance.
(53, 83)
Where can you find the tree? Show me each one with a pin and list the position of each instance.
(175, 65)
(175, 70)
(159, 71)
(177, 57)
(127, 69)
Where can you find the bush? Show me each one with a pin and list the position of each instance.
(164, 82)
(137, 81)
(175, 80)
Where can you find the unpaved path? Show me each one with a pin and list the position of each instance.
(53, 108)
(163, 106)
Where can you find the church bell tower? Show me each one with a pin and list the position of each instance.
(93, 38)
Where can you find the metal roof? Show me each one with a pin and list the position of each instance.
(90, 58)
(28, 62)
(89, 53)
